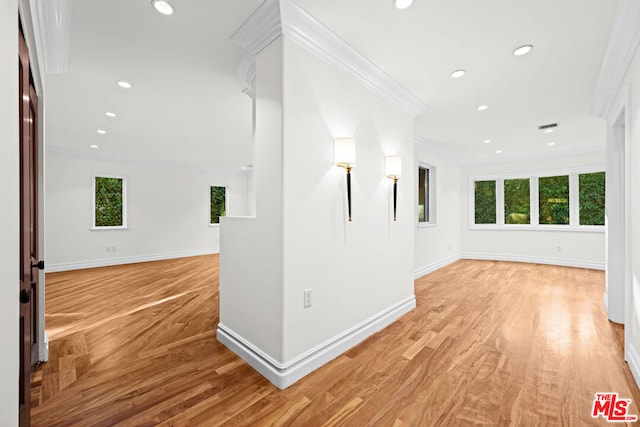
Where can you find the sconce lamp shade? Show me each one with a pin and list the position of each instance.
(344, 151)
(393, 166)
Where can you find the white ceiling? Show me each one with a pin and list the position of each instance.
(186, 103)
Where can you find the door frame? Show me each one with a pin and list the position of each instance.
(31, 32)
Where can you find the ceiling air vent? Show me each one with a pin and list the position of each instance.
(549, 126)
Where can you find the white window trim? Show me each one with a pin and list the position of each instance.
(124, 225)
(226, 203)
(433, 213)
(574, 208)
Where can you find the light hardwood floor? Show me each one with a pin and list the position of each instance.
(490, 343)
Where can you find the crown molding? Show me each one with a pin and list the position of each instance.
(284, 17)
(540, 156)
(437, 149)
(54, 18)
(247, 73)
(53, 150)
(623, 43)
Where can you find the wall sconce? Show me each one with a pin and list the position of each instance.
(393, 169)
(345, 157)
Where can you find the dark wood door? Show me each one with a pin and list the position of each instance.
(28, 106)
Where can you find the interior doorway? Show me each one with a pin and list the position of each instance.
(29, 230)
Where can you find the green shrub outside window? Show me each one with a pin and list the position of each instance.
(218, 204)
(485, 202)
(109, 202)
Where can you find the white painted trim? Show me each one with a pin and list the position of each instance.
(436, 148)
(247, 72)
(67, 266)
(52, 150)
(54, 17)
(634, 362)
(284, 17)
(534, 260)
(623, 44)
(423, 271)
(282, 375)
(43, 350)
(552, 154)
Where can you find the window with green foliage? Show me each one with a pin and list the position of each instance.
(109, 201)
(485, 202)
(218, 204)
(423, 195)
(591, 196)
(517, 203)
(553, 199)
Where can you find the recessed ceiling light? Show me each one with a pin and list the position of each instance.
(402, 4)
(487, 141)
(550, 130)
(483, 107)
(498, 151)
(110, 114)
(101, 131)
(162, 6)
(124, 84)
(551, 144)
(522, 50)
(458, 73)
(93, 146)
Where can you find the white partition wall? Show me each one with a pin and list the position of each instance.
(359, 273)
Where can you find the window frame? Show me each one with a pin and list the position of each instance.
(433, 217)
(574, 208)
(125, 223)
(226, 203)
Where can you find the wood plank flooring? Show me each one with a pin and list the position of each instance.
(490, 343)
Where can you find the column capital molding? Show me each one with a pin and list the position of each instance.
(275, 18)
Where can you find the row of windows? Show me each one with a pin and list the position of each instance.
(110, 202)
(575, 199)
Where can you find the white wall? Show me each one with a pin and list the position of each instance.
(9, 213)
(355, 269)
(360, 272)
(439, 244)
(167, 212)
(632, 319)
(572, 248)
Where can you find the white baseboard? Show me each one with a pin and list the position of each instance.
(43, 350)
(534, 260)
(282, 375)
(422, 271)
(634, 362)
(66, 266)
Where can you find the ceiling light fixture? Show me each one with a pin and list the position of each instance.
(487, 141)
(550, 130)
(124, 84)
(551, 144)
(498, 151)
(93, 146)
(402, 4)
(163, 7)
(458, 73)
(110, 114)
(522, 50)
(483, 108)
(101, 131)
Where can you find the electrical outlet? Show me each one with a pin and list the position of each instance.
(114, 248)
(307, 298)
(108, 249)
